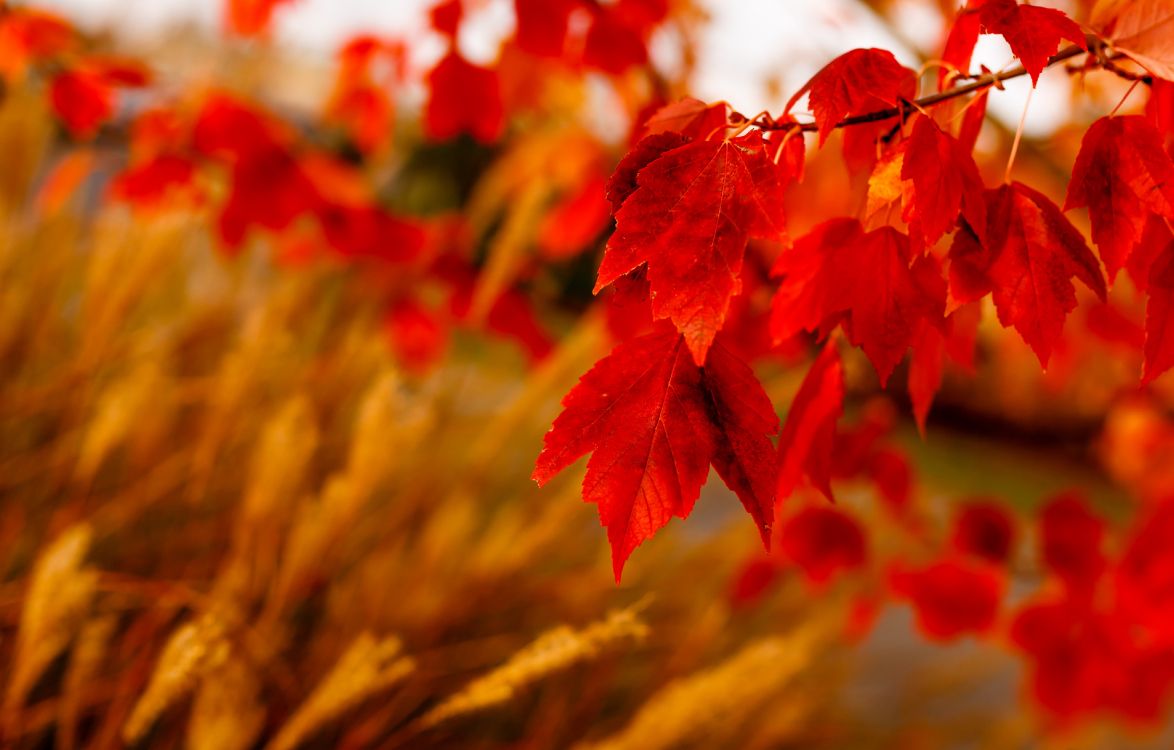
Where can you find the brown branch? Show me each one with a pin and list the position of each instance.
(979, 83)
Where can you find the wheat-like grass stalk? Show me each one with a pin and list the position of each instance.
(59, 596)
(723, 695)
(227, 712)
(368, 666)
(552, 652)
(192, 651)
(117, 414)
(281, 459)
(85, 663)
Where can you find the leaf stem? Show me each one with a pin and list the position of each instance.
(1018, 137)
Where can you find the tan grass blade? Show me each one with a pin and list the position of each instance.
(195, 649)
(59, 596)
(552, 652)
(85, 663)
(369, 666)
(694, 706)
(227, 713)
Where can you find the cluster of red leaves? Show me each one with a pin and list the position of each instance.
(696, 190)
(1099, 636)
(255, 174)
(82, 86)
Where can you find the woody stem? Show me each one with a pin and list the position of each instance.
(979, 83)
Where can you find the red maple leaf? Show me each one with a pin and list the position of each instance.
(809, 434)
(959, 45)
(823, 542)
(543, 25)
(464, 98)
(945, 182)
(839, 271)
(1031, 254)
(575, 221)
(147, 184)
(1122, 173)
(1140, 29)
(445, 17)
(1033, 33)
(951, 597)
(251, 17)
(653, 422)
(83, 99)
(984, 529)
(1071, 538)
(689, 218)
(856, 82)
(29, 36)
(622, 182)
(1159, 316)
(417, 334)
(690, 117)
(612, 45)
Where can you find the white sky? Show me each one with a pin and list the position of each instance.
(747, 42)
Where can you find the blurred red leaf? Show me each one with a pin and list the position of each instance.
(823, 542)
(951, 597)
(463, 98)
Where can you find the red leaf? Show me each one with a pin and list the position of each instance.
(951, 597)
(690, 117)
(1159, 316)
(30, 36)
(856, 82)
(417, 334)
(925, 371)
(612, 45)
(1145, 576)
(809, 434)
(1142, 30)
(984, 529)
(1159, 108)
(1071, 541)
(808, 291)
(575, 221)
(463, 98)
(960, 43)
(1074, 652)
(1033, 33)
(542, 25)
(689, 219)
(653, 422)
(1121, 173)
(1032, 254)
(752, 581)
(823, 542)
(945, 181)
(623, 181)
(251, 17)
(839, 269)
(445, 17)
(888, 298)
(149, 183)
(83, 100)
